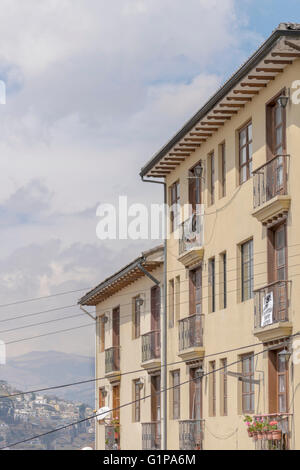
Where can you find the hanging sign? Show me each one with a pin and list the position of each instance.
(267, 310)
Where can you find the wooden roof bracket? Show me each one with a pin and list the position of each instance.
(141, 268)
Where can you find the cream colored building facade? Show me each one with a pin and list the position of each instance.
(238, 157)
(233, 276)
(128, 353)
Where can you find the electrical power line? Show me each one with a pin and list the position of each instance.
(227, 351)
(49, 334)
(126, 404)
(90, 288)
(123, 316)
(41, 323)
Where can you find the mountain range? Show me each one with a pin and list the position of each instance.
(40, 369)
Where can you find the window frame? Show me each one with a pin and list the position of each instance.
(137, 401)
(248, 161)
(175, 394)
(174, 203)
(250, 278)
(136, 320)
(251, 393)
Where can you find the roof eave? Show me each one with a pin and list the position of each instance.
(264, 49)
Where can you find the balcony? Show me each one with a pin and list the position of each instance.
(151, 436)
(270, 440)
(271, 312)
(191, 434)
(270, 191)
(191, 241)
(112, 362)
(191, 337)
(112, 437)
(151, 350)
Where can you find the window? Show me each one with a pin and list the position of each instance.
(278, 382)
(175, 201)
(247, 270)
(211, 159)
(212, 388)
(195, 189)
(177, 297)
(247, 385)
(224, 388)
(245, 153)
(195, 291)
(276, 129)
(116, 401)
(212, 285)
(102, 332)
(195, 394)
(102, 394)
(171, 303)
(137, 401)
(136, 305)
(222, 170)
(176, 394)
(280, 252)
(223, 280)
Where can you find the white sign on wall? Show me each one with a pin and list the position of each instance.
(267, 310)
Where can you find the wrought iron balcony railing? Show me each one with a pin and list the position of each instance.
(151, 436)
(191, 332)
(274, 433)
(112, 360)
(151, 346)
(270, 180)
(191, 434)
(112, 437)
(271, 304)
(191, 234)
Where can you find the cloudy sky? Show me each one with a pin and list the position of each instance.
(94, 88)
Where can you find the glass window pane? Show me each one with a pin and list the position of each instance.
(250, 131)
(243, 154)
(243, 137)
(278, 115)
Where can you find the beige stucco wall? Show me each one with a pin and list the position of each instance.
(130, 360)
(227, 223)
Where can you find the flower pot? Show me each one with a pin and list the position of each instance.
(264, 435)
(260, 436)
(276, 435)
(269, 436)
(255, 436)
(250, 433)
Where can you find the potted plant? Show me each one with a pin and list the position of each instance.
(249, 423)
(276, 433)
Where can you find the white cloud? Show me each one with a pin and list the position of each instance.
(94, 88)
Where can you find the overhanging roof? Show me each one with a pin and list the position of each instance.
(278, 51)
(123, 278)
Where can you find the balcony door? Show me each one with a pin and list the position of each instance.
(277, 270)
(155, 409)
(195, 291)
(155, 308)
(194, 191)
(116, 401)
(116, 327)
(155, 321)
(195, 395)
(278, 382)
(276, 146)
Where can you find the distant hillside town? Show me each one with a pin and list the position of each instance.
(26, 415)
